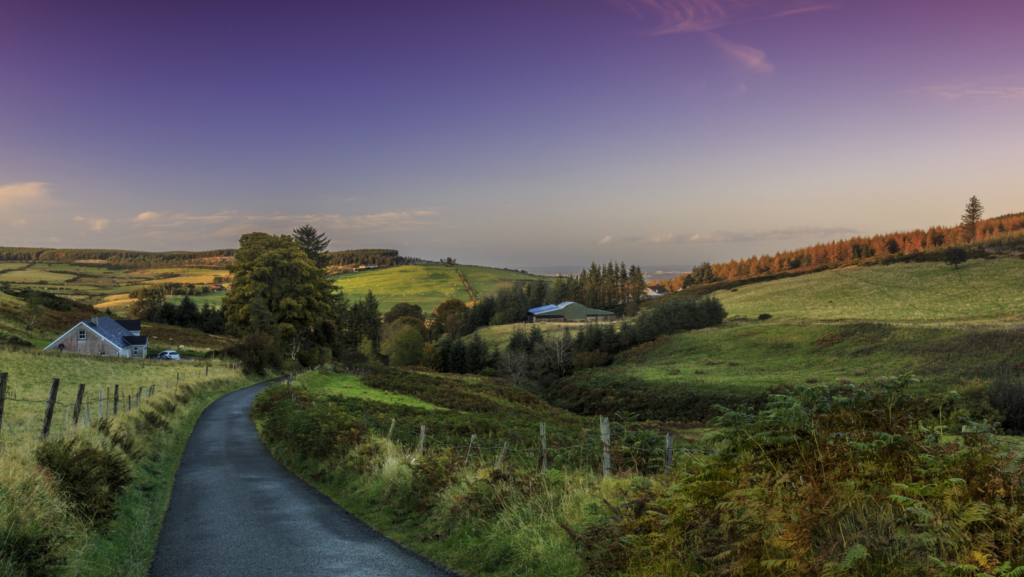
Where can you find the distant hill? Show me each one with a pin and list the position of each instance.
(1005, 231)
(142, 259)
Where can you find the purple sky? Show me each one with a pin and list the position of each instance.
(521, 133)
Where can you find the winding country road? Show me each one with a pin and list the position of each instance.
(235, 510)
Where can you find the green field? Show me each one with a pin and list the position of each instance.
(30, 373)
(326, 384)
(212, 299)
(34, 276)
(486, 280)
(920, 292)
(425, 285)
(667, 378)
(499, 335)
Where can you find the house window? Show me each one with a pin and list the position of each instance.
(135, 351)
(103, 353)
(81, 335)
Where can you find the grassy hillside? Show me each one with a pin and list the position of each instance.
(425, 285)
(681, 376)
(31, 371)
(486, 280)
(918, 292)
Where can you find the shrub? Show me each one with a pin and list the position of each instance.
(37, 531)
(15, 341)
(591, 360)
(119, 436)
(844, 381)
(811, 380)
(88, 474)
(763, 316)
(1006, 395)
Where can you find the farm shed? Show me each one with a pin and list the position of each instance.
(103, 336)
(568, 311)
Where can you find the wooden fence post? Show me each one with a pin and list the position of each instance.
(78, 403)
(501, 456)
(116, 397)
(543, 449)
(88, 410)
(99, 406)
(107, 403)
(138, 399)
(3, 395)
(128, 402)
(50, 402)
(423, 434)
(392, 429)
(470, 450)
(606, 446)
(668, 452)
(207, 370)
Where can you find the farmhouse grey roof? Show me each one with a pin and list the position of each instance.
(559, 310)
(116, 332)
(132, 326)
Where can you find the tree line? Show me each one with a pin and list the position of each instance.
(972, 230)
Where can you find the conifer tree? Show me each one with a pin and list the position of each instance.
(972, 214)
(314, 244)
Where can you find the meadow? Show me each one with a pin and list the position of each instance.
(425, 285)
(100, 286)
(498, 336)
(679, 377)
(981, 290)
(30, 373)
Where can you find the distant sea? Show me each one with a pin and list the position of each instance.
(652, 272)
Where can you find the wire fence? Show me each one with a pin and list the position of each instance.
(53, 418)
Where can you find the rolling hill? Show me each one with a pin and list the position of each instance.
(914, 292)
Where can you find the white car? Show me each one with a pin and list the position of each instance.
(169, 356)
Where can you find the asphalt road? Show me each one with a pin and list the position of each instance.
(235, 510)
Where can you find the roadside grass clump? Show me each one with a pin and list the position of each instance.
(39, 531)
(89, 474)
(811, 380)
(848, 481)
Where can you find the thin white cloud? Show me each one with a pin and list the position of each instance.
(21, 222)
(792, 233)
(618, 239)
(95, 224)
(681, 16)
(24, 194)
(148, 216)
(750, 57)
(978, 91)
(663, 239)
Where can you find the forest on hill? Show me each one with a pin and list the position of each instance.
(117, 258)
(1006, 231)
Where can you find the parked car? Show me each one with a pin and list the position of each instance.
(169, 356)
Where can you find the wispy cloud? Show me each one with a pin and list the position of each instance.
(979, 91)
(705, 15)
(148, 216)
(688, 16)
(618, 239)
(663, 239)
(748, 56)
(95, 224)
(792, 233)
(24, 194)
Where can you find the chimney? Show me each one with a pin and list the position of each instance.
(96, 321)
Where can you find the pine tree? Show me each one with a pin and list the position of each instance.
(972, 214)
(314, 244)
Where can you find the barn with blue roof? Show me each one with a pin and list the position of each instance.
(568, 311)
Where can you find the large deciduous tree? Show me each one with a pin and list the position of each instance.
(280, 291)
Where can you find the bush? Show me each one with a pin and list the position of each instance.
(15, 341)
(37, 533)
(89, 475)
(763, 316)
(1006, 395)
(591, 360)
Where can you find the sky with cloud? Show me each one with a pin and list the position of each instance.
(519, 134)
